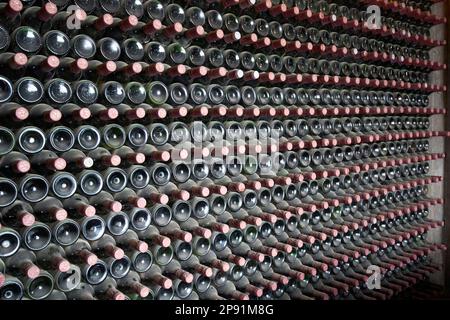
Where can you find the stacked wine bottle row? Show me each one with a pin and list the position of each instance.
(217, 149)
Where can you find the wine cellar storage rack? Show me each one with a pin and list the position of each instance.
(223, 150)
